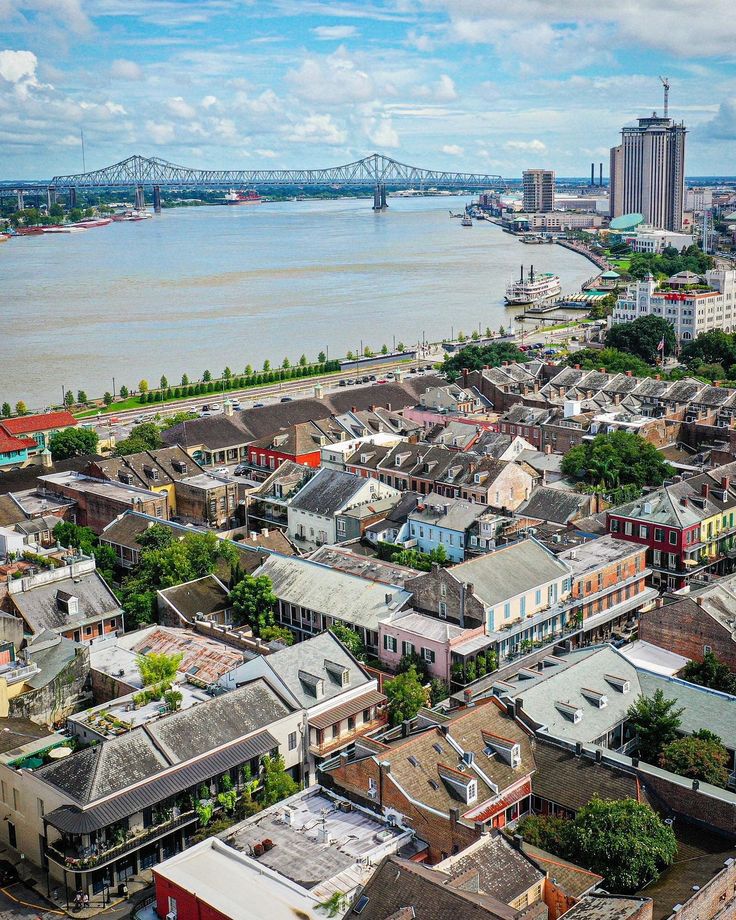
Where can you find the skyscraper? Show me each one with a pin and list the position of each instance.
(648, 171)
(539, 189)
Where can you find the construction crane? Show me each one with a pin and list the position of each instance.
(666, 83)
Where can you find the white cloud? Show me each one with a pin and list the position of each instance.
(723, 125)
(209, 101)
(535, 146)
(266, 153)
(444, 89)
(381, 132)
(18, 67)
(452, 150)
(178, 107)
(334, 33)
(317, 129)
(331, 80)
(123, 69)
(160, 132)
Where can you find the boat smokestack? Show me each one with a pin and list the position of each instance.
(522, 274)
(592, 173)
(600, 175)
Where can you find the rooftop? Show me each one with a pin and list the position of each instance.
(370, 567)
(27, 424)
(597, 553)
(207, 596)
(319, 842)
(219, 875)
(329, 492)
(46, 605)
(448, 513)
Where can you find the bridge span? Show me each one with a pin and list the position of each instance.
(375, 171)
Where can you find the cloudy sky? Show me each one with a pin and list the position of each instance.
(482, 85)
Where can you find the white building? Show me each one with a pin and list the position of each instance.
(689, 311)
(539, 189)
(649, 239)
(698, 199)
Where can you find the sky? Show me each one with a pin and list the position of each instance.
(491, 86)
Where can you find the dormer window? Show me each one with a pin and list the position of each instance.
(68, 603)
(570, 711)
(595, 697)
(471, 792)
(618, 683)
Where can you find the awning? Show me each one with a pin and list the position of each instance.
(351, 708)
(72, 819)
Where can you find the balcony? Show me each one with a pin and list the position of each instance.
(330, 745)
(79, 859)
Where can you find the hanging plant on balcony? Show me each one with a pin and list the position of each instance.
(205, 810)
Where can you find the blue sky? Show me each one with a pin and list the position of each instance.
(481, 85)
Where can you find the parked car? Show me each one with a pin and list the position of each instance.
(343, 383)
(240, 470)
(258, 405)
(215, 407)
(287, 399)
(205, 408)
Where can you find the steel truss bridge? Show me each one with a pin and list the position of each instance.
(375, 171)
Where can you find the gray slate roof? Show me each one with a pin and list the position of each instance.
(557, 505)
(39, 607)
(205, 595)
(509, 571)
(499, 868)
(328, 492)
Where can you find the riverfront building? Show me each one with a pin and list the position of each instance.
(539, 189)
(648, 170)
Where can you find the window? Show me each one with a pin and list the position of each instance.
(657, 557)
(628, 528)
(16, 799)
(407, 648)
(4, 791)
(671, 561)
(522, 606)
(172, 905)
(443, 610)
(673, 537)
(372, 787)
(507, 610)
(614, 525)
(292, 741)
(40, 807)
(443, 590)
(389, 643)
(366, 716)
(707, 649)
(341, 525)
(428, 655)
(538, 596)
(113, 623)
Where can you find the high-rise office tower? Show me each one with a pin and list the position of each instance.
(539, 189)
(648, 171)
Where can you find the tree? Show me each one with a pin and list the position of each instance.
(253, 601)
(227, 374)
(248, 370)
(207, 376)
(69, 399)
(414, 660)
(86, 541)
(714, 347)
(384, 349)
(406, 696)
(401, 347)
(350, 356)
(712, 673)
(475, 357)
(614, 361)
(73, 442)
(163, 382)
(177, 418)
(286, 363)
(107, 399)
(158, 667)
(642, 336)
(544, 831)
(624, 841)
(146, 436)
(157, 536)
(266, 365)
(143, 386)
(321, 357)
(655, 721)
(6, 410)
(21, 408)
(124, 392)
(699, 758)
(277, 784)
(302, 361)
(351, 639)
(277, 634)
(616, 458)
(173, 699)
(81, 397)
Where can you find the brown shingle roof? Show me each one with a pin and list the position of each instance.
(571, 781)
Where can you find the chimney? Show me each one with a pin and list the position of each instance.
(657, 376)
(405, 728)
(716, 383)
(454, 816)
(592, 173)
(227, 407)
(577, 367)
(683, 501)
(600, 175)
(599, 755)
(518, 705)
(46, 459)
(388, 597)
(517, 841)
(659, 603)
(699, 601)
(548, 449)
(725, 483)
(601, 370)
(578, 748)
(705, 490)
(696, 785)
(629, 374)
(353, 408)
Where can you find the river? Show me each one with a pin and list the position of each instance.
(201, 288)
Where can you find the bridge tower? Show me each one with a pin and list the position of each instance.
(50, 197)
(379, 197)
(21, 199)
(72, 197)
(140, 198)
(157, 199)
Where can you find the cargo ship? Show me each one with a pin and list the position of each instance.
(250, 196)
(538, 287)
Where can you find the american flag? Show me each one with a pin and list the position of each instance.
(660, 347)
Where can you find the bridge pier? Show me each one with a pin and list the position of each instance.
(157, 199)
(72, 197)
(50, 197)
(21, 199)
(379, 198)
(140, 198)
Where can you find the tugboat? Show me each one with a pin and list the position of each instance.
(538, 287)
(467, 221)
(250, 196)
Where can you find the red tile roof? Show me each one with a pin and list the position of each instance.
(25, 424)
(8, 443)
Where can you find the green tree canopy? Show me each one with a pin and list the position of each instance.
(656, 721)
(711, 672)
(86, 541)
(692, 259)
(642, 336)
(277, 784)
(253, 601)
(73, 442)
(165, 562)
(614, 459)
(146, 436)
(697, 758)
(406, 696)
(614, 361)
(351, 639)
(714, 347)
(277, 634)
(475, 357)
(158, 667)
(624, 841)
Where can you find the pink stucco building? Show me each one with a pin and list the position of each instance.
(432, 639)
